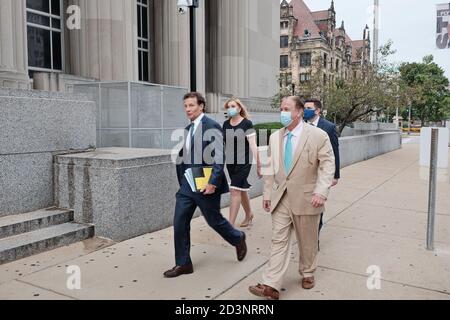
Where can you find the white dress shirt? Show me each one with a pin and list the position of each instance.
(296, 134)
(315, 123)
(190, 134)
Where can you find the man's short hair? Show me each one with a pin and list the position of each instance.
(298, 102)
(200, 99)
(317, 103)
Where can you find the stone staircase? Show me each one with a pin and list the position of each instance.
(23, 235)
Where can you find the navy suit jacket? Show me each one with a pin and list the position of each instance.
(207, 150)
(330, 128)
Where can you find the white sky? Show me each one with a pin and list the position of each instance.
(411, 24)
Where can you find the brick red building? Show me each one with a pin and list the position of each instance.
(312, 45)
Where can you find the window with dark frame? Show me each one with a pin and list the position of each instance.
(284, 41)
(44, 35)
(284, 62)
(305, 59)
(325, 60)
(143, 39)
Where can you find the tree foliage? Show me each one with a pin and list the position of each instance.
(376, 90)
(428, 90)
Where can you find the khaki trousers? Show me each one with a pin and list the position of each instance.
(283, 224)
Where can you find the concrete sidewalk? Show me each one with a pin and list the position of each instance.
(376, 216)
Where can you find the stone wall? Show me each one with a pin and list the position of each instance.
(35, 126)
(361, 148)
(123, 192)
(363, 128)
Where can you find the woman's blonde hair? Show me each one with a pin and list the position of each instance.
(244, 113)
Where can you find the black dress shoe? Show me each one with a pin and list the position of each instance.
(179, 270)
(241, 249)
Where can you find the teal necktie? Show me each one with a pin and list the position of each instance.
(288, 154)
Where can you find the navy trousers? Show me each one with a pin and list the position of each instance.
(210, 208)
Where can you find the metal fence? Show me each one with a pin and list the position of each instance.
(136, 115)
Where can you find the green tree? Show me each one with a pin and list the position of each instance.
(428, 90)
(376, 90)
(282, 93)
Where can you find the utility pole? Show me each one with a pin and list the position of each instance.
(376, 29)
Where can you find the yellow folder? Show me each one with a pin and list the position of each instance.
(202, 181)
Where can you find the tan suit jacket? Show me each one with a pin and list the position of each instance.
(312, 171)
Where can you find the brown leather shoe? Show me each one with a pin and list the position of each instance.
(308, 283)
(241, 249)
(261, 290)
(179, 270)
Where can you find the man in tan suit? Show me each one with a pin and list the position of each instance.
(296, 186)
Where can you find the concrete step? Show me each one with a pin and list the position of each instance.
(30, 243)
(27, 222)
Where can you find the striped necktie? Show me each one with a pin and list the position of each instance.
(190, 140)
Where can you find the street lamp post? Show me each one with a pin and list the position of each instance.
(183, 6)
(376, 28)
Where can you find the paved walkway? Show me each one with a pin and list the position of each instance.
(376, 216)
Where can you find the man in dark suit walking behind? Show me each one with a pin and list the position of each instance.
(203, 147)
(313, 109)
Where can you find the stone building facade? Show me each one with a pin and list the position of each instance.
(141, 40)
(311, 45)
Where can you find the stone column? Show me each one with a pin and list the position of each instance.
(229, 48)
(172, 45)
(106, 46)
(13, 44)
(243, 49)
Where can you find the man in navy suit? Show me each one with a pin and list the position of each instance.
(203, 147)
(313, 109)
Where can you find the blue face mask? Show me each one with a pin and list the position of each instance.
(233, 112)
(309, 114)
(286, 118)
